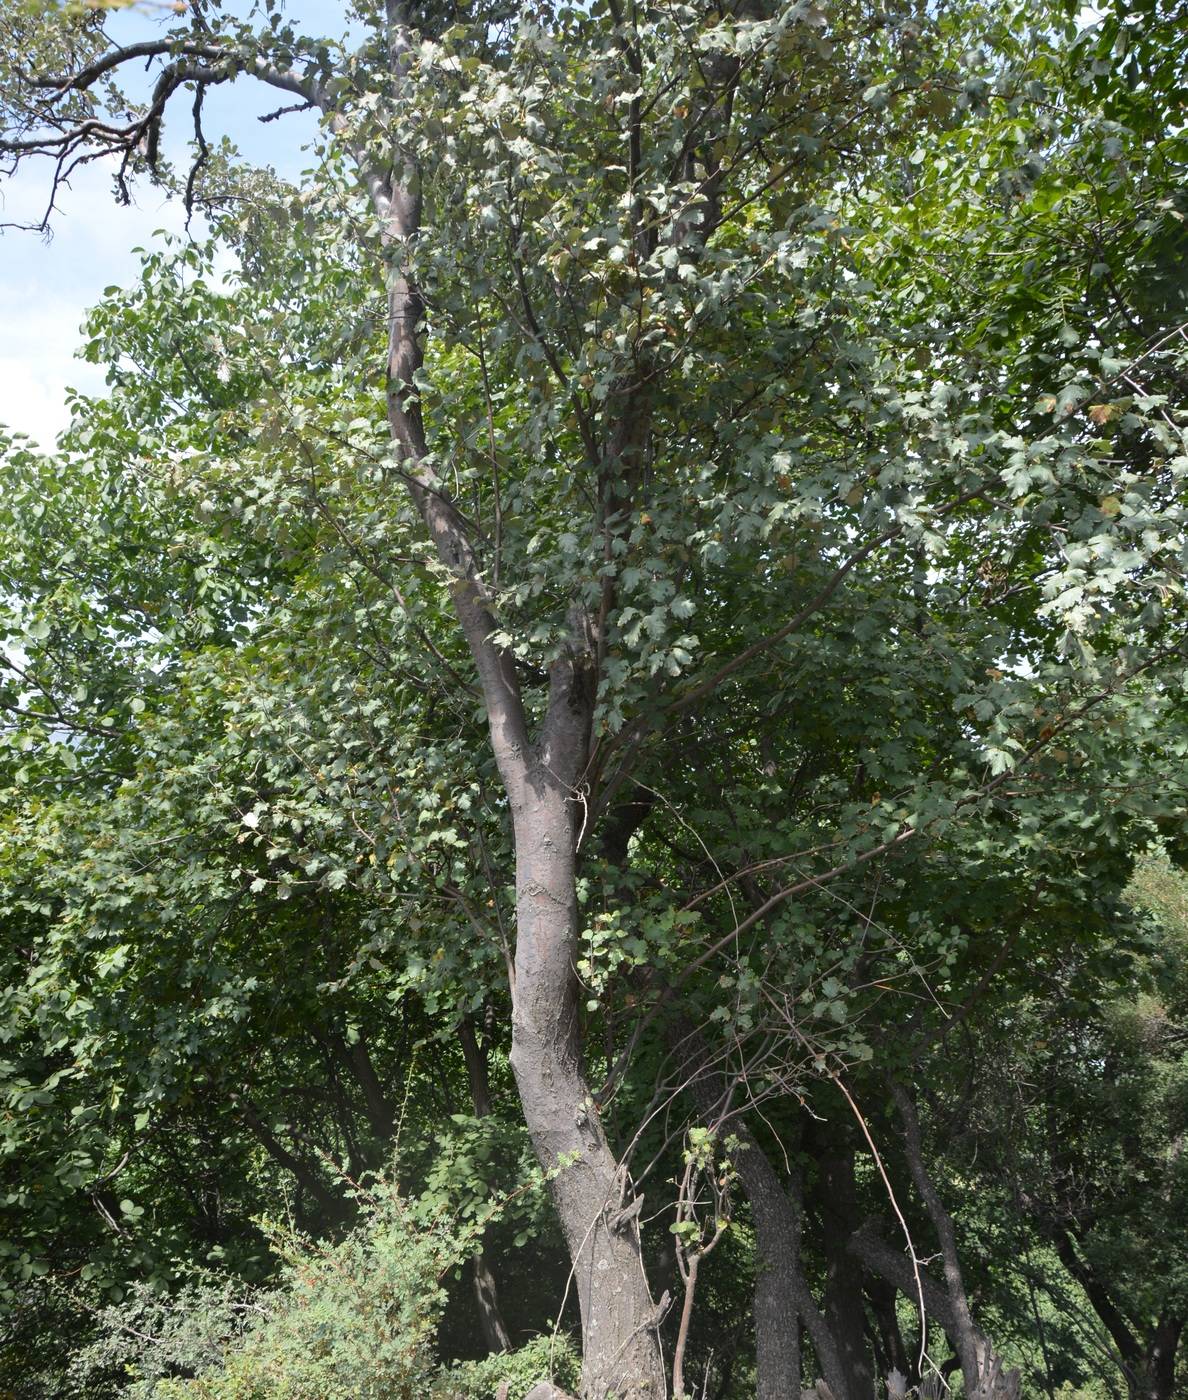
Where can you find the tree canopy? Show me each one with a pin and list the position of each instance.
(594, 736)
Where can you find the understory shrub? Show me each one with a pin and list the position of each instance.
(355, 1319)
(352, 1320)
(544, 1358)
(150, 1337)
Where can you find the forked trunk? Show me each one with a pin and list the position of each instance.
(621, 1354)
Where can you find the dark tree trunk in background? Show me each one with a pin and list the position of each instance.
(981, 1367)
(486, 1290)
(782, 1297)
(777, 1239)
(844, 1304)
(1159, 1381)
(486, 1298)
(882, 1297)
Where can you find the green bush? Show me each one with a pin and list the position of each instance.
(151, 1337)
(351, 1320)
(542, 1359)
(354, 1320)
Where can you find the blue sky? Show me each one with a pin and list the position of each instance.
(46, 286)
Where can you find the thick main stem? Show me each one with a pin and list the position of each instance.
(621, 1355)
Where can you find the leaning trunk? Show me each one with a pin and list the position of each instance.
(621, 1355)
(981, 1367)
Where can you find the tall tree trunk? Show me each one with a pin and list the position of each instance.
(777, 1237)
(621, 1356)
(783, 1298)
(621, 1352)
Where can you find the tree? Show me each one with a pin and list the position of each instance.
(1096, 1095)
(658, 352)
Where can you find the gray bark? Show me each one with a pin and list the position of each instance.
(777, 1236)
(621, 1353)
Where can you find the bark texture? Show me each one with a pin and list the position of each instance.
(621, 1355)
(844, 1301)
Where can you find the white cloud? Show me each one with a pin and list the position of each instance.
(36, 363)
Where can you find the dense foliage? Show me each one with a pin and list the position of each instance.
(599, 728)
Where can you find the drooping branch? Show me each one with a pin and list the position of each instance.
(74, 140)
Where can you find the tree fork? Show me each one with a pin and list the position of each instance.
(621, 1354)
